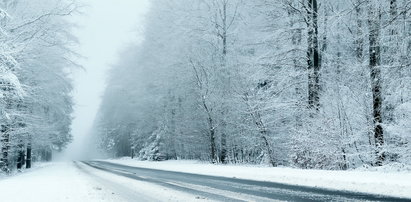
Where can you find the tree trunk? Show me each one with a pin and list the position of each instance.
(393, 15)
(359, 41)
(268, 148)
(132, 152)
(20, 155)
(213, 146)
(359, 50)
(226, 87)
(28, 156)
(5, 142)
(375, 75)
(211, 127)
(313, 57)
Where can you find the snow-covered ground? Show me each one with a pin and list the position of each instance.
(75, 182)
(53, 182)
(388, 183)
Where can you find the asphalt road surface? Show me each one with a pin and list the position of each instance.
(232, 189)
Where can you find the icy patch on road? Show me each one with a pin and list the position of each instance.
(396, 184)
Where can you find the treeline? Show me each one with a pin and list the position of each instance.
(304, 83)
(35, 88)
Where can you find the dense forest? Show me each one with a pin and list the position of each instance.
(302, 83)
(35, 84)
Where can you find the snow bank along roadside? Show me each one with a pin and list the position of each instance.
(396, 184)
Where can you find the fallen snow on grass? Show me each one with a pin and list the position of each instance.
(375, 182)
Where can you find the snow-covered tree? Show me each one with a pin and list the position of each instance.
(311, 84)
(36, 89)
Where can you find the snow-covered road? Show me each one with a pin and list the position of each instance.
(386, 180)
(233, 189)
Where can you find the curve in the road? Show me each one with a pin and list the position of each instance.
(250, 188)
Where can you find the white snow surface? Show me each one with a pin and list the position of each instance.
(76, 182)
(54, 182)
(385, 181)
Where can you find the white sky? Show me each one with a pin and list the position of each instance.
(105, 28)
